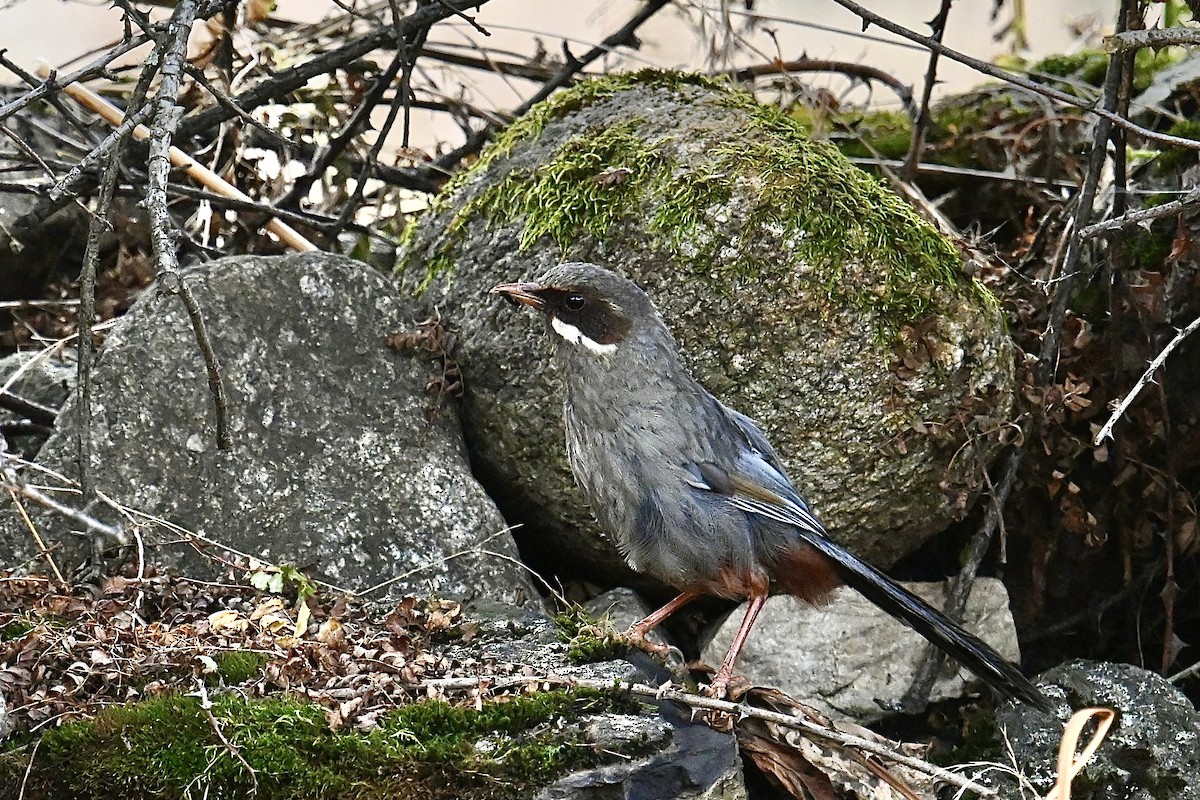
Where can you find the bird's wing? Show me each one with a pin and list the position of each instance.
(759, 476)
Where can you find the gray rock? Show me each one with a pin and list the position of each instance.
(1152, 750)
(801, 292)
(42, 377)
(698, 764)
(335, 461)
(851, 660)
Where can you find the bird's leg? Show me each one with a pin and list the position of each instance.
(720, 681)
(638, 630)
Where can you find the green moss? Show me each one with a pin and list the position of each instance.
(1090, 66)
(802, 194)
(1173, 160)
(1147, 249)
(590, 640)
(236, 666)
(166, 748)
(886, 134)
(17, 627)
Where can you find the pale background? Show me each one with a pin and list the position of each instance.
(59, 31)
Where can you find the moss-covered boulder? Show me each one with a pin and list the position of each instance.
(801, 291)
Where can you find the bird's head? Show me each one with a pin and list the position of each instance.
(587, 306)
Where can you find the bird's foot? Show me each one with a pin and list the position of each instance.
(727, 686)
(636, 637)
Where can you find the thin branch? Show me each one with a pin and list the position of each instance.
(1106, 430)
(1104, 112)
(1048, 355)
(624, 36)
(530, 72)
(297, 76)
(922, 122)
(194, 169)
(166, 118)
(1160, 37)
(50, 83)
(34, 412)
(44, 551)
(928, 168)
(358, 118)
(201, 693)
(97, 226)
(406, 45)
(916, 698)
(113, 141)
(1144, 215)
(12, 484)
(862, 72)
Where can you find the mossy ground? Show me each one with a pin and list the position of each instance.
(167, 748)
(801, 193)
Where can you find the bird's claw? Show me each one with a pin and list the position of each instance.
(635, 637)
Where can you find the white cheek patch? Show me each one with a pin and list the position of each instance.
(575, 336)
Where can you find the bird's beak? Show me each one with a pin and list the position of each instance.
(524, 293)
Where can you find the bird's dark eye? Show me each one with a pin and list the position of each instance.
(575, 301)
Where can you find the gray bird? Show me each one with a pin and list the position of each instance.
(692, 490)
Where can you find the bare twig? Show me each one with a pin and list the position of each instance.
(29, 767)
(75, 515)
(166, 118)
(1048, 356)
(530, 72)
(1144, 215)
(922, 122)
(28, 305)
(406, 48)
(87, 312)
(34, 412)
(189, 165)
(44, 551)
(97, 225)
(1106, 430)
(1104, 111)
(50, 83)
(862, 72)
(206, 709)
(298, 75)
(477, 547)
(917, 697)
(113, 141)
(1159, 37)
(624, 36)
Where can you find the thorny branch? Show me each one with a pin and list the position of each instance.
(623, 37)
(166, 119)
(862, 72)
(1103, 111)
(300, 74)
(921, 124)
(1106, 429)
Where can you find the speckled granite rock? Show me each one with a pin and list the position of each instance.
(1151, 752)
(335, 462)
